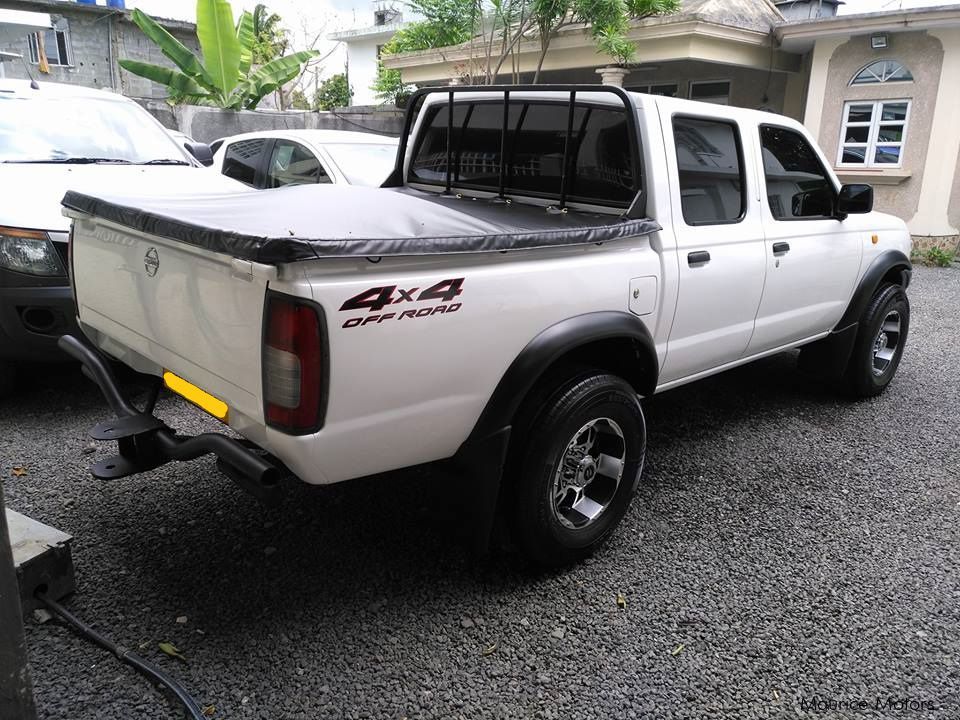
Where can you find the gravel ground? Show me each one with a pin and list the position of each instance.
(787, 547)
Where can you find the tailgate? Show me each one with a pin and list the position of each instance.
(181, 308)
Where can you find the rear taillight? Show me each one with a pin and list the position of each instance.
(293, 365)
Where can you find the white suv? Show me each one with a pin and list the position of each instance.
(54, 138)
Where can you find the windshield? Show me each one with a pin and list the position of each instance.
(65, 129)
(363, 164)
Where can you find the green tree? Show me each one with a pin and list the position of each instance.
(334, 92)
(496, 28)
(299, 101)
(225, 78)
(390, 87)
(270, 39)
(445, 22)
(608, 20)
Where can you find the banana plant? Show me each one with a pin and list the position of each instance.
(225, 77)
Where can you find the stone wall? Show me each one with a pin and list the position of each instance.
(208, 124)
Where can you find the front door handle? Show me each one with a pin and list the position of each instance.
(700, 257)
(781, 248)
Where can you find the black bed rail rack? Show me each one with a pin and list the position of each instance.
(397, 178)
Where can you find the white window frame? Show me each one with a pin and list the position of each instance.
(60, 27)
(880, 79)
(693, 83)
(646, 87)
(870, 146)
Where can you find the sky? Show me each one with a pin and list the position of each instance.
(308, 18)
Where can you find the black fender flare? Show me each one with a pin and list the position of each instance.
(829, 356)
(483, 456)
(882, 264)
(552, 344)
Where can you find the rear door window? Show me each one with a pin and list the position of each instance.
(709, 162)
(242, 160)
(292, 164)
(600, 168)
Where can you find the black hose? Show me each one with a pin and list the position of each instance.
(143, 666)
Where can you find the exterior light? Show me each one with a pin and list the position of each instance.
(879, 41)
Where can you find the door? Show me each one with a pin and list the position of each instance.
(720, 246)
(812, 259)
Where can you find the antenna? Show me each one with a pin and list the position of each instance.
(34, 85)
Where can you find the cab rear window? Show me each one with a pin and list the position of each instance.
(600, 167)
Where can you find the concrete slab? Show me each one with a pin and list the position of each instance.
(41, 555)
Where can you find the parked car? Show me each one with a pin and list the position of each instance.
(278, 158)
(503, 302)
(54, 138)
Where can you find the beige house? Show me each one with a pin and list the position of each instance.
(882, 96)
(880, 91)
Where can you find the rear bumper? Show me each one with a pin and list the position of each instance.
(31, 321)
(145, 442)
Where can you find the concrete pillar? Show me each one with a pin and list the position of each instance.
(16, 688)
(943, 146)
(817, 86)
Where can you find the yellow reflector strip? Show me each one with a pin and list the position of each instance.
(201, 398)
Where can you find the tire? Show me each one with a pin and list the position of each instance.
(8, 378)
(880, 341)
(577, 435)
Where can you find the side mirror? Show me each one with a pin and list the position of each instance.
(854, 200)
(201, 151)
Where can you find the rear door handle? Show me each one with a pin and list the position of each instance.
(699, 257)
(780, 248)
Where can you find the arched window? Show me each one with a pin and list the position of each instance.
(882, 71)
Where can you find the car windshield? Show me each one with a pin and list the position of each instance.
(80, 129)
(362, 163)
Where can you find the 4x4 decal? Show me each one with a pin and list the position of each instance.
(376, 299)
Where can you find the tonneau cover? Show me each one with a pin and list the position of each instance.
(315, 221)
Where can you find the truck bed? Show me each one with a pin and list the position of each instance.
(310, 222)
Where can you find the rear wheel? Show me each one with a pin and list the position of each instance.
(880, 342)
(578, 464)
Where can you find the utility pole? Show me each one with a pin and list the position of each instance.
(16, 688)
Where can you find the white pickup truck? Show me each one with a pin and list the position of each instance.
(539, 261)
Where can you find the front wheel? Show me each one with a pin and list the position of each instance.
(578, 467)
(880, 341)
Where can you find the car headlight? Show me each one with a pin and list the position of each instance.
(29, 251)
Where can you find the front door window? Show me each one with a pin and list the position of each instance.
(292, 164)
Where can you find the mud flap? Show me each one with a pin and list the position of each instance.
(477, 471)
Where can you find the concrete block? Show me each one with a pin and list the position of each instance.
(41, 555)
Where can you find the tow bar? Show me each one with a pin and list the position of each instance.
(145, 442)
